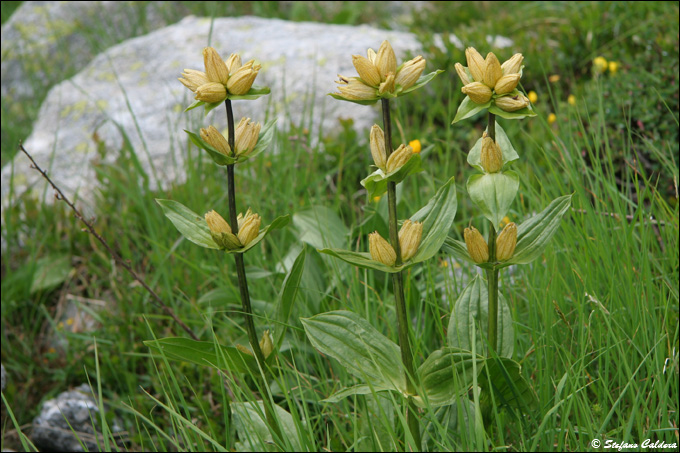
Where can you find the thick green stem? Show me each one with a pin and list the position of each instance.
(398, 284)
(243, 285)
(492, 274)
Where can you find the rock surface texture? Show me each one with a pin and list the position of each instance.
(43, 41)
(51, 431)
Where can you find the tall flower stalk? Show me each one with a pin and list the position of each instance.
(492, 274)
(243, 281)
(224, 81)
(493, 87)
(381, 79)
(398, 285)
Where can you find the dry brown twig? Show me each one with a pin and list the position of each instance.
(59, 195)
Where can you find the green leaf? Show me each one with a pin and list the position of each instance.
(470, 319)
(361, 389)
(209, 106)
(356, 101)
(422, 81)
(50, 271)
(509, 154)
(194, 105)
(437, 217)
(445, 375)
(191, 225)
(516, 115)
(253, 430)
(534, 234)
(364, 260)
(320, 227)
(289, 292)
(204, 353)
(376, 182)
(458, 417)
(503, 377)
(215, 155)
(493, 193)
(457, 249)
(469, 108)
(358, 346)
(254, 93)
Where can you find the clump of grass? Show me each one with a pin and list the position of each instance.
(596, 313)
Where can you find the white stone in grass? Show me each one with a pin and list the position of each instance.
(43, 42)
(67, 420)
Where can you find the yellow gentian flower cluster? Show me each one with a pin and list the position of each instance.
(221, 232)
(410, 236)
(484, 79)
(479, 250)
(221, 78)
(397, 158)
(379, 75)
(245, 138)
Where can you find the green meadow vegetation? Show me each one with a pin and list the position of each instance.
(595, 316)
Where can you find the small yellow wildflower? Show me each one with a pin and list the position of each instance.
(552, 118)
(613, 66)
(69, 322)
(533, 97)
(554, 78)
(571, 100)
(415, 145)
(600, 65)
(376, 199)
(505, 221)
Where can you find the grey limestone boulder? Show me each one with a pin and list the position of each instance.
(67, 420)
(45, 41)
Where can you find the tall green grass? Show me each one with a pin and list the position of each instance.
(596, 318)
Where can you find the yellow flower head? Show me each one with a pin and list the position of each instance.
(552, 118)
(600, 65)
(381, 250)
(416, 146)
(613, 66)
(476, 245)
(533, 97)
(398, 158)
(379, 76)
(246, 136)
(571, 99)
(506, 242)
(221, 79)
(249, 228)
(221, 232)
(485, 79)
(410, 235)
